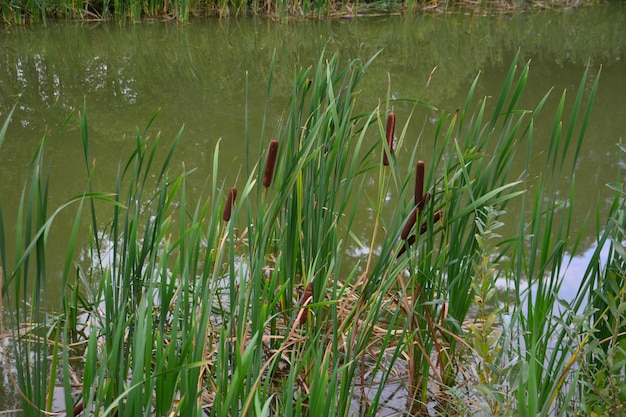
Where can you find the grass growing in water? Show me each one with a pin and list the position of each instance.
(242, 306)
(27, 11)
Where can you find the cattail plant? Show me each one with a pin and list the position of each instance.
(409, 225)
(419, 182)
(228, 208)
(413, 219)
(391, 127)
(420, 199)
(409, 242)
(423, 229)
(271, 162)
(306, 299)
(436, 217)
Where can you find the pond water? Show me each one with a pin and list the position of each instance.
(197, 75)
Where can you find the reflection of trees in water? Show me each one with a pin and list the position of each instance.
(158, 61)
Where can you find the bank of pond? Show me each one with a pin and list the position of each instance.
(39, 12)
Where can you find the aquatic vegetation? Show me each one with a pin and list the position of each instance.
(390, 135)
(272, 154)
(26, 11)
(230, 202)
(192, 304)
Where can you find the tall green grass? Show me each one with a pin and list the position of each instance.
(32, 11)
(242, 300)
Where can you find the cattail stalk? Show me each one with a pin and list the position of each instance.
(391, 127)
(232, 195)
(419, 182)
(271, 162)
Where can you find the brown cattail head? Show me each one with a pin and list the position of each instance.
(419, 182)
(308, 293)
(230, 201)
(79, 408)
(306, 299)
(410, 241)
(271, 162)
(436, 217)
(391, 128)
(409, 224)
(413, 219)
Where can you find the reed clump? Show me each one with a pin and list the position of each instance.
(193, 306)
(39, 12)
